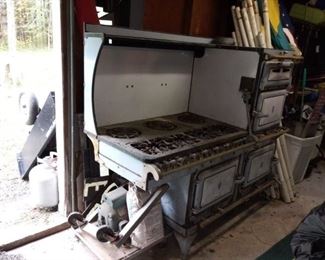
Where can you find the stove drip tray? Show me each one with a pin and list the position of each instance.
(123, 132)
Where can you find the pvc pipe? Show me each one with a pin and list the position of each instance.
(284, 170)
(248, 28)
(252, 20)
(237, 30)
(234, 38)
(241, 27)
(283, 186)
(267, 24)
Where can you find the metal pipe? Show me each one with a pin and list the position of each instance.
(71, 99)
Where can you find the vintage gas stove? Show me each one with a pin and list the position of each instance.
(168, 109)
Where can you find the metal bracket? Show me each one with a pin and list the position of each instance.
(141, 214)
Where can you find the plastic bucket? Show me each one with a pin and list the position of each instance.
(300, 152)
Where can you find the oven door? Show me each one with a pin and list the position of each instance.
(276, 74)
(259, 163)
(269, 108)
(214, 184)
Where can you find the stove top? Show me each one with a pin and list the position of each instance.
(154, 139)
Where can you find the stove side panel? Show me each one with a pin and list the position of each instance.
(140, 83)
(216, 82)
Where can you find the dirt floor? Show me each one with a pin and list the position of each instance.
(18, 217)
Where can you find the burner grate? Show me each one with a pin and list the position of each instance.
(123, 132)
(161, 125)
(176, 141)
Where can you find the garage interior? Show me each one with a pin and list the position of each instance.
(183, 129)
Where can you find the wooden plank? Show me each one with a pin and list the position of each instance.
(108, 251)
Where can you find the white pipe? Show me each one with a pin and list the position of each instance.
(257, 16)
(234, 38)
(241, 27)
(284, 170)
(252, 20)
(248, 27)
(267, 25)
(237, 30)
(283, 186)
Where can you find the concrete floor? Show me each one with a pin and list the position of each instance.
(247, 240)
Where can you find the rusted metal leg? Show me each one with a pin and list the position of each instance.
(185, 244)
(141, 214)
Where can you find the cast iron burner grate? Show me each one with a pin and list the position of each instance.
(123, 132)
(191, 119)
(160, 125)
(176, 141)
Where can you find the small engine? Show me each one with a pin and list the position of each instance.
(113, 211)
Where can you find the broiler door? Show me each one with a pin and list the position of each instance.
(269, 108)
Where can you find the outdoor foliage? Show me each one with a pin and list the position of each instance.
(33, 21)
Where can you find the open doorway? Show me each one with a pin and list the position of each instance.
(30, 68)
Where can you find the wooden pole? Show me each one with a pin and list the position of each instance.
(237, 30)
(234, 38)
(34, 237)
(267, 25)
(261, 40)
(248, 27)
(287, 159)
(241, 27)
(252, 20)
(283, 186)
(257, 16)
(284, 170)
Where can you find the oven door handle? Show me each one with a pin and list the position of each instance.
(260, 114)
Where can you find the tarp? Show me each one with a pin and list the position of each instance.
(308, 242)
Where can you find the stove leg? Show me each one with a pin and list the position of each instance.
(184, 244)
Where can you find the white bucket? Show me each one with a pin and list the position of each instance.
(301, 151)
(44, 183)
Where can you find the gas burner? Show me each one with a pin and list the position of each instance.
(191, 118)
(123, 132)
(160, 125)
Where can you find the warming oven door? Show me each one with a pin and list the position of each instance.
(269, 108)
(214, 184)
(276, 74)
(259, 163)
